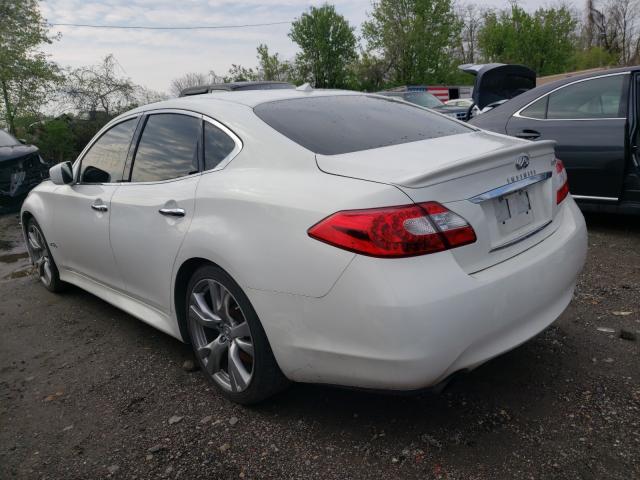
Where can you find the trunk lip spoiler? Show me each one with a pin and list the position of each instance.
(510, 187)
(459, 168)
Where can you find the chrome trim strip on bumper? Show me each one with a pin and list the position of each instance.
(510, 187)
(590, 197)
(521, 238)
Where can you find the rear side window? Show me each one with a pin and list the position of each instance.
(597, 98)
(217, 146)
(104, 162)
(168, 148)
(334, 125)
(537, 109)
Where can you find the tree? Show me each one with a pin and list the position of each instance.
(415, 37)
(238, 73)
(271, 67)
(545, 41)
(143, 96)
(186, 81)
(328, 45)
(615, 27)
(26, 76)
(99, 88)
(470, 17)
(56, 140)
(368, 73)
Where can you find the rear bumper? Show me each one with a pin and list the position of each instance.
(405, 324)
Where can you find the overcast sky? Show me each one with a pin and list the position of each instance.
(153, 58)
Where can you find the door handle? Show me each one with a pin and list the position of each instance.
(528, 134)
(99, 207)
(172, 212)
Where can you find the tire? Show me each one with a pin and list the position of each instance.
(41, 257)
(228, 340)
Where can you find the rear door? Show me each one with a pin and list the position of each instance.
(151, 213)
(588, 121)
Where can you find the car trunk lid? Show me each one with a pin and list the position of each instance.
(498, 81)
(502, 186)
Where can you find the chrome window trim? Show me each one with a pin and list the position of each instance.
(236, 149)
(238, 145)
(591, 197)
(518, 114)
(510, 187)
(521, 237)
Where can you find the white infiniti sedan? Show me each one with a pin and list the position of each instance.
(314, 236)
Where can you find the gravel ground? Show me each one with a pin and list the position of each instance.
(87, 391)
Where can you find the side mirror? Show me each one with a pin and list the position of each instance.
(22, 141)
(62, 173)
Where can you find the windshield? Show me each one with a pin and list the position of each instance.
(424, 99)
(7, 140)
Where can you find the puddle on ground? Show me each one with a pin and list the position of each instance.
(14, 258)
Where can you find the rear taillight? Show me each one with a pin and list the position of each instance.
(394, 232)
(561, 182)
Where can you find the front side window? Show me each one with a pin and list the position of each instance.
(597, 98)
(104, 162)
(168, 148)
(217, 146)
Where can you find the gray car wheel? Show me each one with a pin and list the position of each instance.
(228, 339)
(41, 257)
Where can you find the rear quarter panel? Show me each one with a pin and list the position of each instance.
(252, 219)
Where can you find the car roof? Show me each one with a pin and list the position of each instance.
(248, 98)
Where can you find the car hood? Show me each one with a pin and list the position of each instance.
(498, 81)
(16, 151)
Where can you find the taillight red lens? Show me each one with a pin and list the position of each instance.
(561, 182)
(394, 232)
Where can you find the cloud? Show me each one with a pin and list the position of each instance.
(154, 57)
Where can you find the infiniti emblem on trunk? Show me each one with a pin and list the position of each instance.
(522, 162)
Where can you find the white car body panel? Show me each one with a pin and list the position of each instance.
(414, 321)
(145, 243)
(82, 233)
(331, 316)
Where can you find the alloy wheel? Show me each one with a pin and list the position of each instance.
(221, 336)
(39, 254)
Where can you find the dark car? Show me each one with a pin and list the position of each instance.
(595, 120)
(21, 169)
(426, 99)
(235, 86)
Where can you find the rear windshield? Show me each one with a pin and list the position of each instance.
(341, 124)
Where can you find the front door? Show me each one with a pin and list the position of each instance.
(151, 214)
(83, 210)
(587, 119)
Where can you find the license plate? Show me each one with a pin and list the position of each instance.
(513, 211)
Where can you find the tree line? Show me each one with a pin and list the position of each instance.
(401, 42)
(424, 41)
